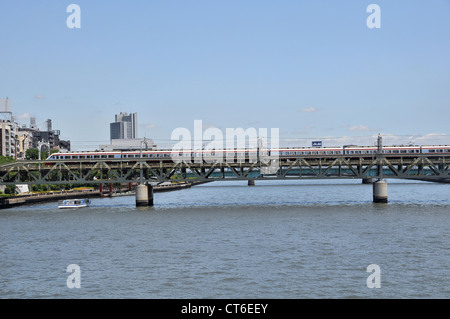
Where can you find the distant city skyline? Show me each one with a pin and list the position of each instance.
(313, 69)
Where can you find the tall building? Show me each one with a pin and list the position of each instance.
(125, 126)
(7, 138)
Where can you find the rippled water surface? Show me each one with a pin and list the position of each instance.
(280, 239)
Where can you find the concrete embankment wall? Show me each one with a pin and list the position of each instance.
(7, 202)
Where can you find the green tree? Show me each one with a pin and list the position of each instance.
(6, 159)
(33, 154)
(10, 189)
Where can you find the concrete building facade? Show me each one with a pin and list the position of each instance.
(124, 127)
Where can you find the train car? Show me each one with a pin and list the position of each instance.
(251, 154)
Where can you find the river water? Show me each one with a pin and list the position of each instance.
(278, 239)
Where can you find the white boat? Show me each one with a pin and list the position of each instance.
(74, 203)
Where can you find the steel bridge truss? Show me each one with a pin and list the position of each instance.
(95, 171)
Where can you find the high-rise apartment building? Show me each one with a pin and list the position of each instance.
(125, 126)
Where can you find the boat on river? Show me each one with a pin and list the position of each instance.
(74, 203)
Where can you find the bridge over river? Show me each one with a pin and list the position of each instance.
(433, 167)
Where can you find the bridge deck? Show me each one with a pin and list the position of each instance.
(430, 167)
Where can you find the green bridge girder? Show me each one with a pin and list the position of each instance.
(94, 171)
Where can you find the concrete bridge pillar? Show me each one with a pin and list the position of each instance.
(144, 195)
(251, 182)
(380, 193)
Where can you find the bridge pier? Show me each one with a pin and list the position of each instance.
(144, 195)
(380, 194)
(251, 182)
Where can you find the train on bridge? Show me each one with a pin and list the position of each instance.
(286, 153)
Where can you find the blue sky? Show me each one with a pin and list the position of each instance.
(313, 69)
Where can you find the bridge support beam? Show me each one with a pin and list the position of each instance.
(380, 193)
(251, 182)
(144, 195)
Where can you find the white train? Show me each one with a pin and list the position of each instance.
(167, 155)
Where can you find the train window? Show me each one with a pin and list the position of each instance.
(403, 151)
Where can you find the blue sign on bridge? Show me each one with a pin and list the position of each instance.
(317, 143)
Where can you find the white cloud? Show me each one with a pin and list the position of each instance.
(22, 116)
(309, 110)
(151, 125)
(359, 128)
